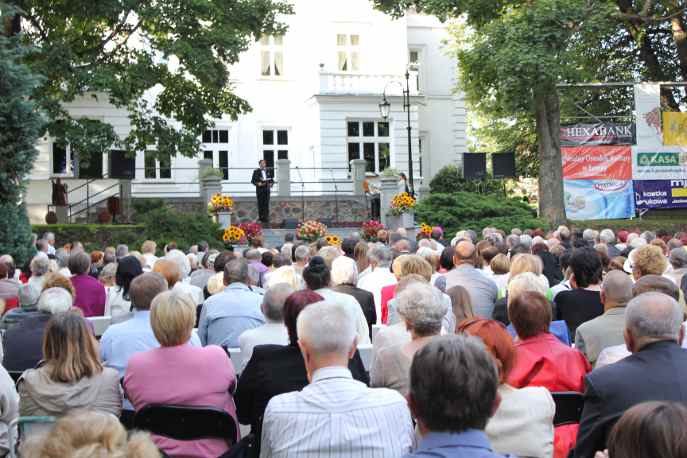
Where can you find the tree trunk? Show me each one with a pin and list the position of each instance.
(547, 113)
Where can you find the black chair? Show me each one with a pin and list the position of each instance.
(568, 407)
(187, 423)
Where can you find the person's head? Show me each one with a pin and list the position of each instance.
(530, 314)
(616, 289)
(421, 308)
(285, 274)
(301, 255)
(650, 429)
(500, 264)
(652, 317)
(55, 300)
(329, 254)
(526, 281)
(128, 268)
(293, 306)
(657, 284)
(144, 288)
(326, 335)
(39, 265)
(267, 259)
(607, 236)
(617, 263)
(107, 274)
(414, 264)
(169, 270)
(453, 383)
(148, 247)
(69, 349)
(222, 259)
(348, 246)
(262, 164)
(344, 271)
(317, 275)
(179, 258)
(273, 301)
(57, 280)
(172, 317)
(121, 251)
(496, 340)
(42, 245)
(526, 263)
(79, 263)
(446, 258)
(661, 244)
(648, 260)
(586, 267)
(678, 258)
(461, 303)
(380, 257)
(465, 253)
(236, 271)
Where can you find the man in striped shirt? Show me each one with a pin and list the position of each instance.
(335, 416)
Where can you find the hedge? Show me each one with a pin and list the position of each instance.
(94, 236)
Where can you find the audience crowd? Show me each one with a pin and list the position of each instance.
(530, 343)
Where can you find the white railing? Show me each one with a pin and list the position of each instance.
(342, 83)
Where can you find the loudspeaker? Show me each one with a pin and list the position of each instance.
(93, 168)
(121, 166)
(504, 165)
(289, 223)
(474, 166)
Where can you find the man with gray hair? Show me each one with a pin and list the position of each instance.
(380, 275)
(301, 256)
(274, 331)
(656, 370)
(607, 236)
(606, 330)
(226, 315)
(344, 280)
(122, 251)
(452, 425)
(334, 416)
(50, 238)
(28, 302)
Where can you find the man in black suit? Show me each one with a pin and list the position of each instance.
(656, 370)
(263, 180)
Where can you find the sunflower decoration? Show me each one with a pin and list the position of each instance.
(333, 240)
(426, 229)
(220, 203)
(402, 203)
(233, 234)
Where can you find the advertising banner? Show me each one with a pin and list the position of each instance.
(597, 163)
(674, 128)
(661, 193)
(598, 199)
(648, 114)
(598, 134)
(659, 163)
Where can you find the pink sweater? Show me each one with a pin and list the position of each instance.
(187, 376)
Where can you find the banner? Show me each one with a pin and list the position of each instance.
(606, 133)
(659, 163)
(661, 193)
(648, 114)
(597, 163)
(674, 128)
(598, 199)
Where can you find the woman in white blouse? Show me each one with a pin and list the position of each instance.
(118, 302)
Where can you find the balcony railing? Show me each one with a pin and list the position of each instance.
(342, 83)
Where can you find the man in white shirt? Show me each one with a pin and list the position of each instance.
(273, 331)
(380, 276)
(335, 416)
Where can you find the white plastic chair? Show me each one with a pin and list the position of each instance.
(365, 351)
(24, 427)
(236, 359)
(375, 329)
(100, 324)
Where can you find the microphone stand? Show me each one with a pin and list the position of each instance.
(336, 197)
(300, 176)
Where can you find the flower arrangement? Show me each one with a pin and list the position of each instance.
(333, 240)
(233, 234)
(311, 230)
(426, 229)
(220, 203)
(251, 230)
(371, 230)
(402, 203)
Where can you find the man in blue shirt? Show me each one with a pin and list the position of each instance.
(453, 382)
(226, 315)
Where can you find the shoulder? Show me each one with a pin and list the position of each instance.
(532, 396)
(381, 397)
(109, 375)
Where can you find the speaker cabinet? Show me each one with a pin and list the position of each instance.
(474, 166)
(504, 165)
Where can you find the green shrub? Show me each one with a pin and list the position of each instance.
(464, 210)
(94, 236)
(449, 179)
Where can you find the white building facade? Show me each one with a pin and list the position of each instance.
(315, 94)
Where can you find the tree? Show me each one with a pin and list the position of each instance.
(22, 124)
(167, 62)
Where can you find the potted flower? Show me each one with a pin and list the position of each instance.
(233, 235)
(401, 213)
(222, 207)
(370, 230)
(333, 240)
(311, 231)
(251, 230)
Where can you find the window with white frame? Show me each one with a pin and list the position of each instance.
(216, 149)
(272, 56)
(371, 141)
(62, 164)
(275, 145)
(348, 52)
(415, 64)
(156, 168)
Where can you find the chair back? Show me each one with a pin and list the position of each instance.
(365, 351)
(100, 324)
(569, 406)
(236, 359)
(375, 330)
(25, 427)
(186, 423)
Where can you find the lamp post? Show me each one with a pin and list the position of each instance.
(385, 108)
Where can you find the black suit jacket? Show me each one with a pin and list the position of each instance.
(257, 176)
(366, 300)
(657, 373)
(273, 370)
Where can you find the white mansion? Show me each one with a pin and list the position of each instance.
(315, 94)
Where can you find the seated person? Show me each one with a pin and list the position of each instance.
(118, 301)
(28, 303)
(71, 375)
(191, 376)
(9, 409)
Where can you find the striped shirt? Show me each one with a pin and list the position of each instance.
(336, 416)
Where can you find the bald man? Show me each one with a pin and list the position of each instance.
(483, 291)
(606, 330)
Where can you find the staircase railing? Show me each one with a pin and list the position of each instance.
(85, 205)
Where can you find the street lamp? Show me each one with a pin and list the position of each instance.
(385, 108)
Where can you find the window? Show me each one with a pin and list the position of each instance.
(275, 140)
(415, 65)
(155, 168)
(348, 52)
(61, 159)
(216, 148)
(272, 55)
(369, 140)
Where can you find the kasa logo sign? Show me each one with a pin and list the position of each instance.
(658, 159)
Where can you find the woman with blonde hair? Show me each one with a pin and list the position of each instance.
(460, 302)
(71, 375)
(57, 280)
(87, 433)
